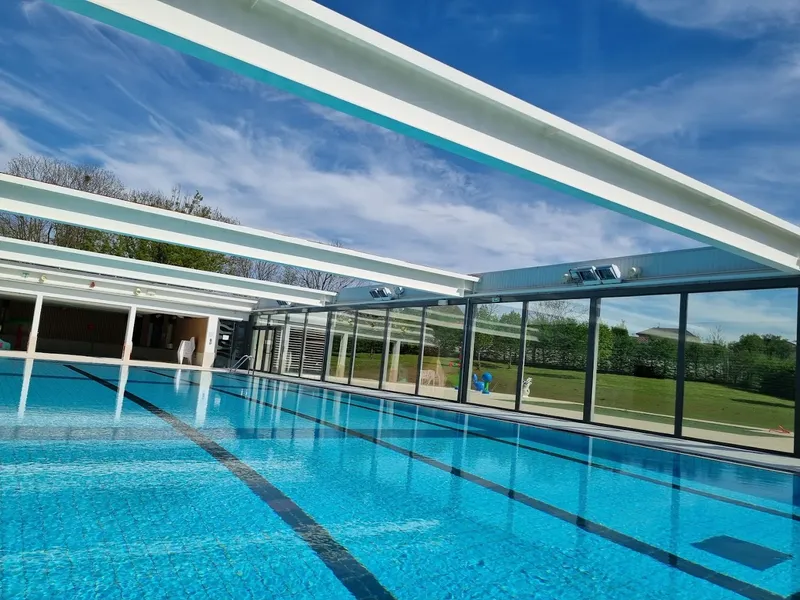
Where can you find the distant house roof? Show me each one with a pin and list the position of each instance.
(670, 333)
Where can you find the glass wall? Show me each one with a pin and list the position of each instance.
(400, 370)
(740, 368)
(554, 378)
(340, 349)
(441, 352)
(637, 362)
(495, 354)
(369, 348)
(739, 375)
(314, 349)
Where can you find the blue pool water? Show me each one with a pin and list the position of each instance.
(193, 485)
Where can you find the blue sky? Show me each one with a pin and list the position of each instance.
(710, 87)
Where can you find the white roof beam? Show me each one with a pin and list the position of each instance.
(306, 49)
(90, 298)
(49, 279)
(63, 205)
(154, 273)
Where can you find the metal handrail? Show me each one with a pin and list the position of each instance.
(239, 363)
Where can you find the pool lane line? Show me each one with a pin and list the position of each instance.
(665, 557)
(616, 470)
(353, 575)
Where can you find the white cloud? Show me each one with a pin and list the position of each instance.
(493, 24)
(732, 314)
(285, 165)
(395, 203)
(735, 17)
(14, 143)
(754, 96)
(735, 127)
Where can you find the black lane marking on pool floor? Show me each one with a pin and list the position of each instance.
(743, 588)
(616, 470)
(348, 570)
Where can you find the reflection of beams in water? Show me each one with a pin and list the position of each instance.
(123, 381)
(26, 384)
(202, 398)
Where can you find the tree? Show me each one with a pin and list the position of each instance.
(83, 177)
(317, 280)
(485, 318)
(172, 254)
(508, 344)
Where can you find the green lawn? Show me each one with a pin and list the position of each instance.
(703, 401)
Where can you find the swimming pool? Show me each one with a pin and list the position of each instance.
(152, 483)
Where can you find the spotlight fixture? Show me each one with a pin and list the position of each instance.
(591, 275)
(137, 292)
(43, 279)
(381, 293)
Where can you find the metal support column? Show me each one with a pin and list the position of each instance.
(328, 348)
(262, 354)
(421, 354)
(465, 379)
(797, 387)
(680, 375)
(284, 349)
(353, 356)
(591, 359)
(523, 346)
(303, 347)
(385, 353)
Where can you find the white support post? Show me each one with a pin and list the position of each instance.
(37, 317)
(127, 348)
(210, 350)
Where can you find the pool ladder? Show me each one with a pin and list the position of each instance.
(239, 363)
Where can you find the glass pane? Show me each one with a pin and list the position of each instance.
(315, 345)
(740, 368)
(292, 344)
(555, 358)
(265, 359)
(257, 352)
(369, 347)
(495, 354)
(441, 359)
(275, 357)
(637, 362)
(341, 347)
(403, 352)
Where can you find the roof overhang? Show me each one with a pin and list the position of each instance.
(63, 205)
(152, 276)
(311, 51)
